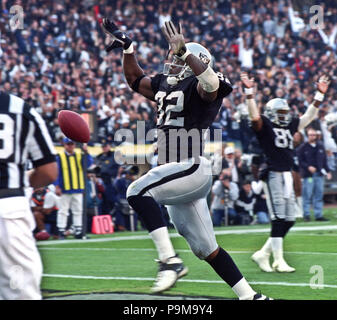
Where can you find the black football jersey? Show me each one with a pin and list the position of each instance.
(277, 144)
(183, 117)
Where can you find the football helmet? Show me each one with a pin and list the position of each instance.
(278, 111)
(178, 70)
(331, 119)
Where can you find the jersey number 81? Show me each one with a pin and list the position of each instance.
(283, 138)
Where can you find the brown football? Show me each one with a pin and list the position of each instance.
(74, 126)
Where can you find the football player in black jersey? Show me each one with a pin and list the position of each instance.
(275, 130)
(188, 94)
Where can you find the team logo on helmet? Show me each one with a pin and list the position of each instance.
(178, 70)
(204, 58)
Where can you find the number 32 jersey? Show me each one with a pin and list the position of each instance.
(182, 116)
(277, 144)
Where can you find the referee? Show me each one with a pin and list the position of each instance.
(23, 136)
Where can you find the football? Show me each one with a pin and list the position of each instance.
(73, 126)
(42, 235)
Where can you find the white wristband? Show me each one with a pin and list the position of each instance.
(319, 96)
(129, 50)
(185, 55)
(248, 91)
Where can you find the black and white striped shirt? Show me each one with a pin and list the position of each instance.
(23, 136)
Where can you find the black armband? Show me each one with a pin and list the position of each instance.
(135, 84)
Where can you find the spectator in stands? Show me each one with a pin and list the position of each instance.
(58, 61)
(44, 204)
(260, 206)
(108, 169)
(58, 55)
(225, 193)
(244, 205)
(124, 214)
(297, 181)
(313, 168)
(94, 194)
(237, 169)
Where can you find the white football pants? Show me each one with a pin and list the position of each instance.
(20, 262)
(183, 187)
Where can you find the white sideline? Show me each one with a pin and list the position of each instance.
(176, 235)
(288, 284)
(178, 250)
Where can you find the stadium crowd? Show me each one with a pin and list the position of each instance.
(57, 60)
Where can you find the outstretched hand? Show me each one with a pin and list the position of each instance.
(323, 84)
(247, 83)
(119, 38)
(175, 38)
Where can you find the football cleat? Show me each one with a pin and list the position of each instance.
(168, 274)
(281, 266)
(262, 260)
(260, 296)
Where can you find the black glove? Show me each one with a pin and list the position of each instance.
(119, 38)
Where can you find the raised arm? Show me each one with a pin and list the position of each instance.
(208, 80)
(254, 113)
(312, 111)
(134, 74)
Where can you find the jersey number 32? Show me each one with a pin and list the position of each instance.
(168, 103)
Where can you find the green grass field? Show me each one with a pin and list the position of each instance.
(119, 263)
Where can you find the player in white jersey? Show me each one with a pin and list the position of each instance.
(23, 136)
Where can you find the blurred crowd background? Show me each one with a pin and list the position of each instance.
(57, 60)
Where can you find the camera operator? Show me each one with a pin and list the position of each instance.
(108, 169)
(225, 192)
(123, 212)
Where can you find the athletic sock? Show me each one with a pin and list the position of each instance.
(163, 243)
(226, 268)
(152, 217)
(277, 247)
(267, 248)
(243, 290)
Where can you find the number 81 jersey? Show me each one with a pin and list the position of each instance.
(277, 144)
(181, 110)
